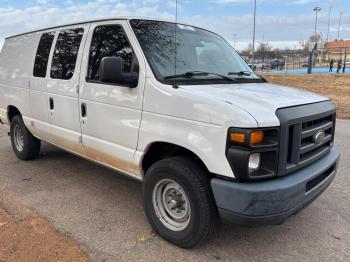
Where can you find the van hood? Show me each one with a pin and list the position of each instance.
(260, 100)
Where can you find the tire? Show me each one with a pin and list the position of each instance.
(195, 225)
(24, 144)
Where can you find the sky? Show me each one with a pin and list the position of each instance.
(282, 23)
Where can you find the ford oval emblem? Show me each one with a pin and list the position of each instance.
(319, 136)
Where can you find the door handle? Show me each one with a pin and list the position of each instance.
(83, 110)
(52, 104)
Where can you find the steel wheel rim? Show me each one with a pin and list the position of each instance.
(171, 205)
(18, 138)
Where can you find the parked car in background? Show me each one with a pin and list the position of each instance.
(262, 66)
(277, 65)
(252, 66)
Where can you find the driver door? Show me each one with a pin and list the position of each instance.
(110, 114)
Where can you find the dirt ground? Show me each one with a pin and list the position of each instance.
(336, 87)
(34, 239)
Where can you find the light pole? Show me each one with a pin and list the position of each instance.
(253, 47)
(316, 9)
(329, 21)
(341, 14)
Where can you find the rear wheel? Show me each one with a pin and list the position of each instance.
(178, 202)
(24, 144)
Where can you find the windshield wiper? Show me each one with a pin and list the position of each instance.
(192, 74)
(241, 73)
(247, 73)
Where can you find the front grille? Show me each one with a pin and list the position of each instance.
(309, 148)
(302, 148)
(307, 134)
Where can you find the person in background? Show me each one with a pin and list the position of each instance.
(344, 66)
(340, 62)
(331, 64)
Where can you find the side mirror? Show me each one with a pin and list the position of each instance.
(111, 71)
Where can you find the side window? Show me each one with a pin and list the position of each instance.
(65, 54)
(42, 54)
(110, 40)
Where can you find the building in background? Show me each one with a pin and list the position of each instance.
(337, 49)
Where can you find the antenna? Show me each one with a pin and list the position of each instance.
(175, 39)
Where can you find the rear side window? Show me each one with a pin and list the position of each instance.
(42, 54)
(66, 53)
(110, 40)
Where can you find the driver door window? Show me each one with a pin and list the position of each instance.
(107, 41)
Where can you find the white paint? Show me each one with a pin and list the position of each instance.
(65, 117)
(122, 123)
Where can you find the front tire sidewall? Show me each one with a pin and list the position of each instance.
(193, 234)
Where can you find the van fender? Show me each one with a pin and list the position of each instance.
(207, 141)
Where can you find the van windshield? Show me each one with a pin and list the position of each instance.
(200, 55)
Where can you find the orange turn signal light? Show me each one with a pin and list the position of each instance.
(237, 137)
(256, 137)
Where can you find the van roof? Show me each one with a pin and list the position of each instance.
(91, 21)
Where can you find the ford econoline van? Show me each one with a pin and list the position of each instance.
(174, 106)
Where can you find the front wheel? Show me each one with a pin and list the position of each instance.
(179, 203)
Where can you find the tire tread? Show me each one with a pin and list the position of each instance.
(200, 182)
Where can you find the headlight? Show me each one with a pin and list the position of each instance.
(253, 153)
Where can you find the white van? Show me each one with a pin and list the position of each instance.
(176, 107)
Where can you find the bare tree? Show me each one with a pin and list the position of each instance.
(263, 51)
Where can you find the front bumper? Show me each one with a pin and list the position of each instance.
(273, 201)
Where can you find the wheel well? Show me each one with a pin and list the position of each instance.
(161, 150)
(12, 112)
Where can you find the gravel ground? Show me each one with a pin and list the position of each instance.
(102, 211)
